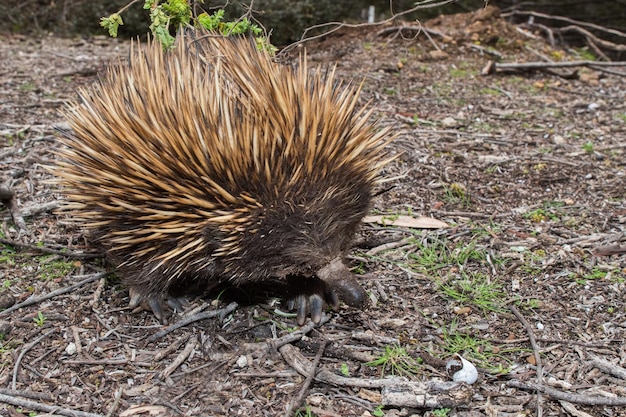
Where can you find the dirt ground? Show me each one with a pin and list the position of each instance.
(526, 281)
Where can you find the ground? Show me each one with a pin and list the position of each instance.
(526, 280)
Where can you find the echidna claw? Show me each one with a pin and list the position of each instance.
(332, 299)
(176, 304)
(157, 309)
(155, 304)
(313, 305)
(135, 298)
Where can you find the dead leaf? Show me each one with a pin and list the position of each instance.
(406, 221)
(370, 395)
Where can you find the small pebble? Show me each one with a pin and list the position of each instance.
(70, 349)
(242, 362)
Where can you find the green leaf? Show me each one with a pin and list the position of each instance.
(211, 22)
(112, 23)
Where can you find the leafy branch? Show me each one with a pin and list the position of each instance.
(178, 13)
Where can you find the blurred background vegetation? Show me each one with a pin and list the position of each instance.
(286, 19)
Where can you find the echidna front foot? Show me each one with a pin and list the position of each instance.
(333, 284)
(342, 283)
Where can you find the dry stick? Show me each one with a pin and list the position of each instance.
(335, 26)
(273, 345)
(609, 250)
(389, 245)
(549, 340)
(25, 349)
(7, 399)
(297, 400)
(472, 214)
(567, 20)
(116, 402)
(608, 367)
(27, 394)
(562, 64)
(595, 49)
(413, 28)
(182, 357)
(46, 250)
(97, 293)
(395, 391)
(593, 38)
(533, 343)
(297, 335)
(608, 71)
(317, 411)
(572, 410)
(60, 291)
(191, 319)
(34, 209)
(173, 347)
(547, 30)
(569, 396)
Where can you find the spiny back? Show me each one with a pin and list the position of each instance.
(190, 160)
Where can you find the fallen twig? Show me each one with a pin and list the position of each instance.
(46, 250)
(182, 357)
(569, 396)
(608, 367)
(396, 392)
(533, 343)
(590, 36)
(54, 409)
(566, 20)
(191, 319)
(27, 394)
(116, 402)
(297, 400)
(493, 66)
(25, 349)
(335, 26)
(609, 250)
(60, 291)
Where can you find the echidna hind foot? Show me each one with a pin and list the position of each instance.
(156, 303)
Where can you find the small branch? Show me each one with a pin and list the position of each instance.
(192, 319)
(60, 291)
(590, 36)
(569, 396)
(533, 343)
(53, 409)
(25, 349)
(297, 400)
(487, 51)
(116, 402)
(44, 249)
(180, 359)
(335, 26)
(27, 394)
(608, 367)
(492, 67)
(609, 250)
(395, 391)
(567, 20)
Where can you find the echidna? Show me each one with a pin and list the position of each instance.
(212, 163)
